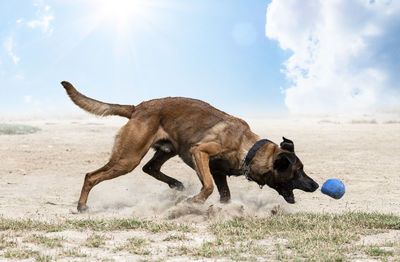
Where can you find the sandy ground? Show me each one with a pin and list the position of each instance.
(42, 173)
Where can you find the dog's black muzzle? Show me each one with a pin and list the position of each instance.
(305, 183)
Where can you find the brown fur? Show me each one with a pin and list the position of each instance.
(96, 107)
(207, 139)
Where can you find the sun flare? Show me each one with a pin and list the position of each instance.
(125, 15)
(124, 23)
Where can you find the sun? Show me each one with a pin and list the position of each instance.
(122, 10)
(125, 15)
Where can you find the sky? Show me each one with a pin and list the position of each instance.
(345, 54)
(241, 56)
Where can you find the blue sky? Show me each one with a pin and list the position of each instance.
(244, 57)
(212, 50)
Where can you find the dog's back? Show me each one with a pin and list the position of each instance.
(184, 121)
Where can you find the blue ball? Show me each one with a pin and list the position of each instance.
(334, 188)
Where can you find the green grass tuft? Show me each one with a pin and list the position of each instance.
(175, 237)
(92, 224)
(75, 252)
(136, 246)
(43, 240)
(376, 252)
(96, 241)
(25, 254)
(16, 129)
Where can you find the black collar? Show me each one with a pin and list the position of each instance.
(250, 155)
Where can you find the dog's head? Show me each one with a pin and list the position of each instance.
(281, 169)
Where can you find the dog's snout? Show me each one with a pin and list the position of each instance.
(290, 200)
(312, 187)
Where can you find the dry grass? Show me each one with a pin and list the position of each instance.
(138, 246)
(310, 236)
(328, 121)
(92, 224)
(392, 122)
(281, 237)
(366, 121)
(96, 241)
(75, 253)
(43, 240)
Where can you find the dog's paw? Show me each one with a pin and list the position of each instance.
(225, 200)
(177, 185)
(195, 200)
(180, 199)
(82, 209)
(190, 200)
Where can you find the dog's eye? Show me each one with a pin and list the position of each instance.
(297, 174)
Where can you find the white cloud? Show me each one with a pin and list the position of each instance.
(345, 53)
(8, 45)
(43, 18)
(43, 23)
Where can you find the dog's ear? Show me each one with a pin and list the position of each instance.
(283, 160)
(287, 144)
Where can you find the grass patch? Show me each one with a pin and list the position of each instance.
(126, 224)
(284, 237)
(106, 259)
(392, 122)
(370, 121)
(75, 252)
(16, 129)
(174, 237)
(377, 251)
(311, 237)
(43, 258)
(247, 251)
(30, 225)
(135, 246)
(21, 253)
(5, 242)
(25, 254)
(96, 241)
(43, 240)
(92, 224)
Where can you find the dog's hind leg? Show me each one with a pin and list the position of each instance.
(153, 168)
(121, 168)
(101, 169)
(132, 143)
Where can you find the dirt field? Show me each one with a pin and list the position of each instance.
(42, 174)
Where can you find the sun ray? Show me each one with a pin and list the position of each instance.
(125, 16)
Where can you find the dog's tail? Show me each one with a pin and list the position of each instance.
(97, 107)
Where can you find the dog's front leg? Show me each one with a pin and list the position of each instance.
(201, 154)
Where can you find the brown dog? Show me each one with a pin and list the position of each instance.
(210, 141)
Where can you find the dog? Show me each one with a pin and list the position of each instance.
(213, 143)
